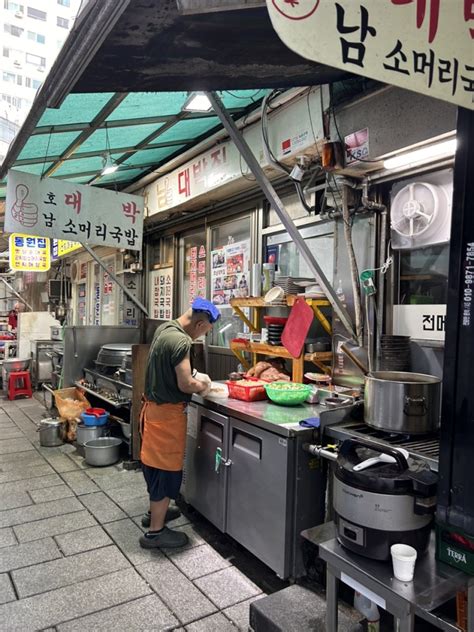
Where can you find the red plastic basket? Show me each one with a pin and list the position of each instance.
(246, 392)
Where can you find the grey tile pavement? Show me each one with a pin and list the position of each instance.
(7, 537)
(27, 554)
(61, 462)
(134, 488)
(68, 570)
(12, 475)
(194, 538)
(21, 459)
(15, 445)
(134, 506)
(12, 517)
(115, 479)
(64, 604)
(227, 587)
(79, 482)
(215, 623)
(240, 613)
(7, 592)
(50, 493)
(176, 590)
(125, 534)
(147, 613)
(13, 500)
(27, 484)
(56, 525)
(102, 508)
(198, 561)
(11, 433)
(82, 540)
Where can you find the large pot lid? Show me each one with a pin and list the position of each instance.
(120, 347)
(401, 476)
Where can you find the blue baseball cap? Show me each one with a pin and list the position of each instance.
(203, 305)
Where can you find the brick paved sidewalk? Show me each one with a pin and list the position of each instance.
(69, 554)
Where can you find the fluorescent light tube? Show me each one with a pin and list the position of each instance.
(424, 154)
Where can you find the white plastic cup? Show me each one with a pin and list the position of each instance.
(403, 559)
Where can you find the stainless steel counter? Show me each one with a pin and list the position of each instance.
(282, 420)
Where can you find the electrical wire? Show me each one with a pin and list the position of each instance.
(236, 96)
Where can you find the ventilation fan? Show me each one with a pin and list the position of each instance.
(421, 215)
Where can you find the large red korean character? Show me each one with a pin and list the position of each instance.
(74, 200)
(130, 210)
(184, 183)
(421, 13)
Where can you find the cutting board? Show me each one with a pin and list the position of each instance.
(297, 327)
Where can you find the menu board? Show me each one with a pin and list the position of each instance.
(230, 273)
(161, 294)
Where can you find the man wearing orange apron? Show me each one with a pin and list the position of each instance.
(169, 386)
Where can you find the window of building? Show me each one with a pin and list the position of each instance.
(36, 37)
(35, 84)
(6, 52)
(36, 14)
(9, 77)
(230, 275)
(13, 30)
(19, 80)
(36, 60)
(28, 82)
(7, 130)
(64, 3)
(15, 7)
(62, 22)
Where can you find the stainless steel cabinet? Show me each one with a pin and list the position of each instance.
(205, 469)
(258, 486)
(258, 508)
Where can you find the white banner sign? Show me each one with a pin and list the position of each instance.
(423, 45)
(161, 294)
(64, 210)
(421, 322)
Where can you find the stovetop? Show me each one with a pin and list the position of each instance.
(425, 447)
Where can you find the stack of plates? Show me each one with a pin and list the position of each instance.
(290, 285)
(395, 353)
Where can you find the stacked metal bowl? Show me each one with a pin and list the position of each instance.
(395, 353)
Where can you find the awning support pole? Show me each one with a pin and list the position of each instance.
(126, 291)
(280, 210)
(5, 282)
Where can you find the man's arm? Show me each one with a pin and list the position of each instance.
(186, 382)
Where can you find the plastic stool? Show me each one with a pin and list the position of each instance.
(19, 383)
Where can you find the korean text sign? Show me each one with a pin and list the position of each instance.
(68, 211)
(423, 45)
(29, 253)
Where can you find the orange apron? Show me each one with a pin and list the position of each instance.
(163, 435)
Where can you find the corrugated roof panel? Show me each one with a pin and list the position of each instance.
(76, 108)
(142, 104)
(47, 144)
(188, 129)
(37, 169)
(118, 137)
(73, 166)
(120, 176)
(152, 156)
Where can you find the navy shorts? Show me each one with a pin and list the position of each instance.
(161, 483)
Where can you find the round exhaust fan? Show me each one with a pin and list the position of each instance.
(420, 214)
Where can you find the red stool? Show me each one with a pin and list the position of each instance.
(19, 383)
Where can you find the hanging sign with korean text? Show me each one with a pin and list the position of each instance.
(61, 247)
(422, 45)
(29, 254)
(161, 294)
(68, 211)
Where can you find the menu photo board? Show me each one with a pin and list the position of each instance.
(230, 273)
(161, 294)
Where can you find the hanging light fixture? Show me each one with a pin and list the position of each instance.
(109, 165)
(436, 151)
(197, 102)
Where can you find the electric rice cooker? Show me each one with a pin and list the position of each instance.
(382, 496)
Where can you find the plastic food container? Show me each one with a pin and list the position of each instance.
(95, 416)
(246, 392)
(287, 393)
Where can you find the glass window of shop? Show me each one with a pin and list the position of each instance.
(424, 276)
(230, 274)
(280, 249)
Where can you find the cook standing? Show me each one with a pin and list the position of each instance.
(169, 385)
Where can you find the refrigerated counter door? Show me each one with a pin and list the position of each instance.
(205, 475)
(258, 500)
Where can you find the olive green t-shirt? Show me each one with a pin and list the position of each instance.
(170, 346)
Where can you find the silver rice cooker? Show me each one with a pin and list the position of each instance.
(382, 496)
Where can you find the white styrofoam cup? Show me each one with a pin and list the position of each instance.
(403, 559)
